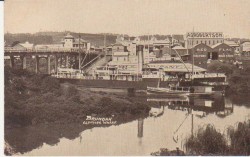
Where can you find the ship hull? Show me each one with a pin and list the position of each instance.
(123, 84)
(138, 85)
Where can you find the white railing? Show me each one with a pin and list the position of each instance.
(68, 70)
(209, 75)
(215, 83)
(151, 76)
(73, 76)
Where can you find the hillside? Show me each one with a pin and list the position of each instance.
(56, 37)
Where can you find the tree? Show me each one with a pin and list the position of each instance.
(219, 67)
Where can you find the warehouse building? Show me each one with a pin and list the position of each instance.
(208, 38)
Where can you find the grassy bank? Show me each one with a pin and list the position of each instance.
(32, 99)
(209, 141)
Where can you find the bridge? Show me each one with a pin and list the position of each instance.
(66, 58)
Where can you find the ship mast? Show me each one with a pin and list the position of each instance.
(148, 47)
(105, 51)
(105, 45)
(79, 53)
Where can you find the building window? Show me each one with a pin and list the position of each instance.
(201, 41)
(206, 42)
(213, 42)
(197, 42)
(209, 42)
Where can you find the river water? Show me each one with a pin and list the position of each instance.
(170, 122)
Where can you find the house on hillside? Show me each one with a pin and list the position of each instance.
(71, 42)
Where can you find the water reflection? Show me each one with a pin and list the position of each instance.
(140, 127)
(168, 123)
(191, 106)
(200, 107)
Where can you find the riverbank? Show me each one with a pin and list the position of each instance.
(238, 79)
(208, 140)
(32, 99)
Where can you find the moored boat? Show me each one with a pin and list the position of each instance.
(168, 90)
(181, 91)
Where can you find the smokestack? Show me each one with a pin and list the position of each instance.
(140, 58)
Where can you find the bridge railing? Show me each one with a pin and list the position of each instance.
(40, 50)
(34, 50)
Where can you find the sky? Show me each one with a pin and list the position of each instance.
(132, 17)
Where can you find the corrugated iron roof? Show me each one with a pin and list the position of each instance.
(216, 45)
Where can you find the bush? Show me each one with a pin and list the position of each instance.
(207, 141)
(210, 141)
(240, 138)
(71, 91)
(50, 84)
(105, 101)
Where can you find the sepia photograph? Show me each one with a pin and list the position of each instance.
(126, 77)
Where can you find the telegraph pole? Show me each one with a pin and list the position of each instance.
(105, 52)
(193, 57)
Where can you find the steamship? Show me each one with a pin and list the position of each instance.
(140, 64)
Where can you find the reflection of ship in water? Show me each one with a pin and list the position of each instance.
(140, 130)
(228, 109)
(198, 106)
(156, 110)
